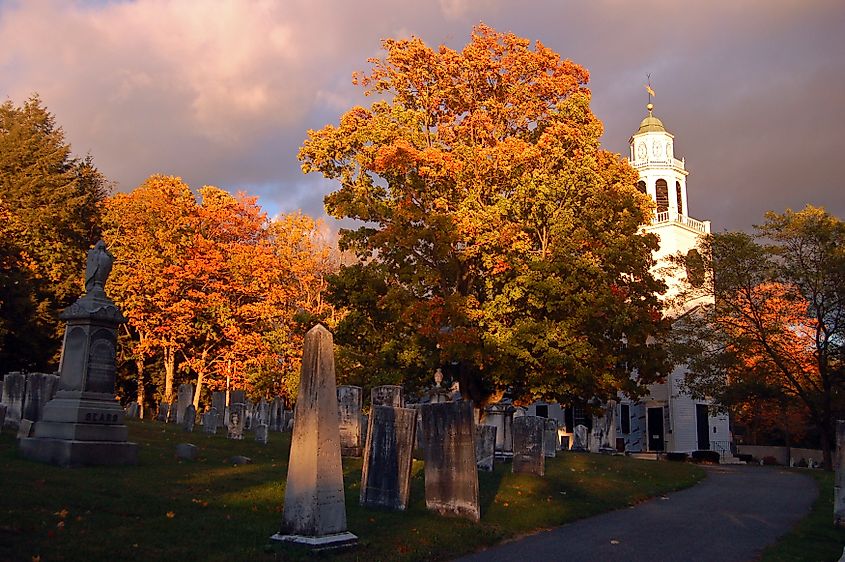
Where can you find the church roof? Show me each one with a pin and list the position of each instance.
(651, 124)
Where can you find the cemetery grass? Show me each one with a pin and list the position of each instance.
(814, 537)
(211, 510)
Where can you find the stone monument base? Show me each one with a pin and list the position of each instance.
(71, 453)
(326, 542)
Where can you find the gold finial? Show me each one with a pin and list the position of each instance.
(649, 107)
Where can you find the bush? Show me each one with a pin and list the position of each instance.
(677, 457)
(769, 460)
(706, 456)
(744, 457)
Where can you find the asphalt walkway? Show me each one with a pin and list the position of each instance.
(731, 515)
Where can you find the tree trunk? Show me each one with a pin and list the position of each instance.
(200, 378)
(139, 365)
(169, 370)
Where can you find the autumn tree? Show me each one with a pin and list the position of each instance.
(150, 231)
(498, 239)
(48, 203)
(777, 326)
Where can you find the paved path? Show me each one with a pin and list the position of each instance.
(731, 515)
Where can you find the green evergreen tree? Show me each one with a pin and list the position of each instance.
(49, 202)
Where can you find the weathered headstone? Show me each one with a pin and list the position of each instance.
(218, 404)
(262, 413)
(315, 509)
(261, 433)
(163, 411)
(14, 390)
(186, 451)
(236, 421)
(387, 395)
(132, 410)
(388, 458)
(501, 417)
(485, 446)
(2, 416)
(189, 418)
(551, 439)
(277, 415)
(184, 398)
(528, 456)
(349, 414)
(579, 438)
(40, 389)
(249, 413)
(839, 477)
(210, 423)
(25, 428)
(237, 397)
(365, 426)
(451, 477)
(84, 424)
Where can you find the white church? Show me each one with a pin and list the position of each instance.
(668, 420)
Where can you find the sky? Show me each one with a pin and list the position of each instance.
(222, 92)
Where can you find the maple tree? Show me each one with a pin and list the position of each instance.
(213, 287)
(499, 240)
(776, 328)
(48, 203)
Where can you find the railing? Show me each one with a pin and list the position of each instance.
(650, 161)
(722, 447)
(672, 216)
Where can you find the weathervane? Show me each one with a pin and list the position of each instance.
(650, 91)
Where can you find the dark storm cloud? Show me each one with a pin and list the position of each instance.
(222, 92)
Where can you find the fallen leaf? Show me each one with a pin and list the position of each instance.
(614, 541)
(62, 514)
(170, 515)
(36, 559)
(60, 525)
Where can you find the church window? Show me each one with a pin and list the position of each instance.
(662, 193)
(641, 186)
(680, 200)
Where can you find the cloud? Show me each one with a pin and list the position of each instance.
(222, 92)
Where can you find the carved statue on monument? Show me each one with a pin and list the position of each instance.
(97, 267)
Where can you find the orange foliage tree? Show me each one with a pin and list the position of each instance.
(212, 285)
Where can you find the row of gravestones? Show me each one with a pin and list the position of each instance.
(328, 421)
(23, 397)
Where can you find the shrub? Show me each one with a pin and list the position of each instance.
(677, 457)
(706, 456)
(769, 460)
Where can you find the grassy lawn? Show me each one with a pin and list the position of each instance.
(814, 538)
(209, 510)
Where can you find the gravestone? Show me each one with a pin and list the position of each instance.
(40, 389)
(501, 417)
(579, 438)
(132, 410)
(528, 455)
(349, 413)
(163, 410)
(2, 416)
(84, 424)
(184, 398)
(387, 395)
(218, 404)
(189, 418)
(839, 477)
(485, 446)
(249, 414)
(237, 397)
(14, 390)
(235, 429)
(171, 412)
(210, 423)
(451, 477)
(315, 508)
(388, 458)
(186, 451)
(25, 428)
(551, 438)
(261, 433)
(277, 415)
(365, 426)
(262, 413)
